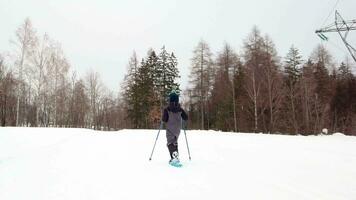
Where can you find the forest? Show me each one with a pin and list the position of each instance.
(253, 89)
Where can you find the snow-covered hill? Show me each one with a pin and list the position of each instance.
(50, 164)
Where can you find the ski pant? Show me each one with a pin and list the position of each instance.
(172, 142)
(171, 137)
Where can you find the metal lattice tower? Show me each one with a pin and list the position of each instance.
(343, 27)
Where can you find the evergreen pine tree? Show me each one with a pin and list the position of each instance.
(146, 89)
(293, 65)
(293, 71)
(172, 75)
(130, 94)
(344, 71)
(166, 74)
(344, 100)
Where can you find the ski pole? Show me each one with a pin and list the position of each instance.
(160, 127)
(186, 141)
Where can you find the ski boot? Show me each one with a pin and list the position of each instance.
(175, 160)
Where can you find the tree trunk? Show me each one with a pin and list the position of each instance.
(255, 100)
(20, 85)
(295, 123)
(201, 89)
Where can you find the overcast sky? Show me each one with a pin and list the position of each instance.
(102, 34)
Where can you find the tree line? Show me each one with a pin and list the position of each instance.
(37, 88)
(255, 90)
(259, 91)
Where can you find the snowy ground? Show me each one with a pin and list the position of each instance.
(50, 164)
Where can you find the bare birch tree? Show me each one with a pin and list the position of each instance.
(25, 41)
(253, 55)
(93, 86)
(273, 82)
(40, 59)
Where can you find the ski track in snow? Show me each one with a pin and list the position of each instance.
(54, 163)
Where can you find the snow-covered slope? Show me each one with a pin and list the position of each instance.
(50, 164)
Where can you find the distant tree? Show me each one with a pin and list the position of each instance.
(80, 104)
(344, 101)
(293, 65)
(344, 72)
(165, 75)
(253, 56)
(25, 41)
(141, 98)
(308, 88)
(292, 70)
(129, 91)
(57, 83)
(41, 60)
(121, 119)
(172, 75)
(241, 97)
(321, 55)
(324, 90)
(93, 86)
(317, 90)
(7, 95)
(201, 78)
(273, 83)
(223, 92)
(107, 110)
(148, 98)
(132, 72)
(71, 112)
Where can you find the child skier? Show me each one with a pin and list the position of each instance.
(172, 116)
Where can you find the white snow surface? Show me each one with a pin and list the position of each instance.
(74, 164)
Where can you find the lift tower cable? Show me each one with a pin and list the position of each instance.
(343, 27)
